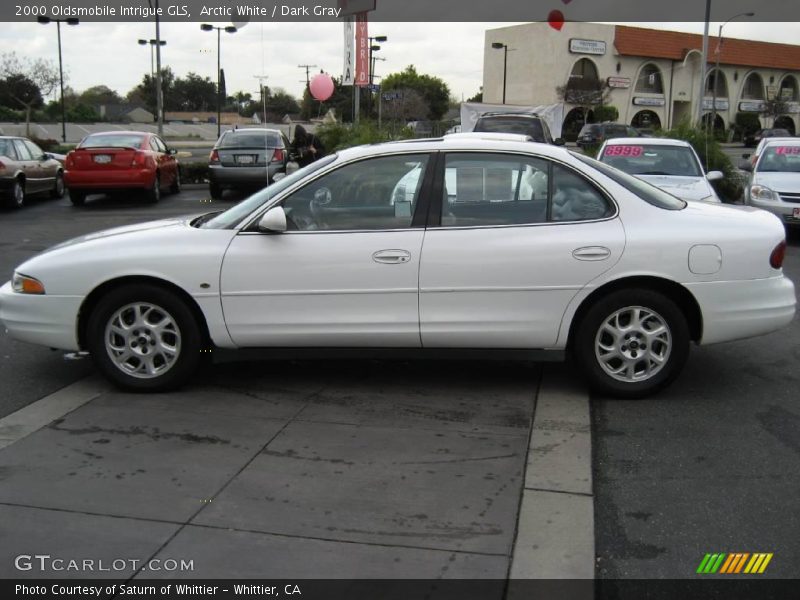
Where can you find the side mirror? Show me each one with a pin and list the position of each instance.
(273, 221)
(172, 151)
(746, 165)
(559, 142)
(715, 175)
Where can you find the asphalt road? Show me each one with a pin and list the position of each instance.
(710, 465)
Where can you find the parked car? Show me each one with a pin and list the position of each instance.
(774, 182)
(752, 139)
(753, 157)
(112, 161)
(246, 158)
(535, 247)
(26, 169)
(523, 123)
(594, 134)
(671, 165)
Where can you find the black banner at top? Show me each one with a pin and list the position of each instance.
(554, 11)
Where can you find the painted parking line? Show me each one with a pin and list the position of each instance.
(33, 417)
(555, 531)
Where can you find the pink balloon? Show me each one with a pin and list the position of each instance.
(321, 86)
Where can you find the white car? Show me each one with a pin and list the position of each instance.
(774, 180)
(671, 165)
(535, 247)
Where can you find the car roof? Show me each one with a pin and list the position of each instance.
(122, 132)
(649, 141)
(510, 114)
(488, 135)
(781, 140)
(252, 130)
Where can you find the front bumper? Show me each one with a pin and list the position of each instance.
(779, 208)
(734, 310)
(41, 319)
(110, 179)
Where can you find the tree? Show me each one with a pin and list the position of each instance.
(145, 92)
(432, 90)
(99, 95)
(774, 108)
(477, 97)
(341, 101)
(585, 92)
(193, 93)
(26, 82)
(410, 106)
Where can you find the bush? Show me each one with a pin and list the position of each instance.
(605, 113)
(712, 157)
(194, 172)
(747, 123)
(48, 145)
(337, 136)
(14, 116)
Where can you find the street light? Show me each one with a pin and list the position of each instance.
(504, 47)
(153, 44)
(716, 68)
(228, 29)
(58, 22)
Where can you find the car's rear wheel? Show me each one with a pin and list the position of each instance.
(58, 186)
(632, 343)
(215, 191)
(144, 338)
(17, 197)
(78, 198)
(175, 188)
(153, 194)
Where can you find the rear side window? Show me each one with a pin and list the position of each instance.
(496, 189)
(22, 150)
(7, 149)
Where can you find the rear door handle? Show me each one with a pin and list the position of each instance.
(591, 253)
(391, 257)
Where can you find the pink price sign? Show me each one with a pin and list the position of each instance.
(620, 150)
(787, 150)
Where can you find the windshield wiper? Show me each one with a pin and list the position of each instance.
(204, 218)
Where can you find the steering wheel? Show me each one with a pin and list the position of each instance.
(322, 197)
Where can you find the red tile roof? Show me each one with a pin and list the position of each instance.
(653, 43)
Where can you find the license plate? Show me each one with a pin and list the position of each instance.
(102, 159)
(796, 213)
(244, 159)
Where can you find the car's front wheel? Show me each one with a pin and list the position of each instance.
(144, 338)
(632, 343)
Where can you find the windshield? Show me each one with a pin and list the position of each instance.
(112, 140)
(642, 159)
(780, 159)
(523, 125)
(231, 217)
(649, 193)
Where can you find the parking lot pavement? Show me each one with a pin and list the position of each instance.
(304, 469)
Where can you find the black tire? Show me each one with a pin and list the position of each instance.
(184, 334)
(632, 353)
(215, 190)
(58, 187)
(153, 195)
(16, 198)
(175, 188)
(78, 198)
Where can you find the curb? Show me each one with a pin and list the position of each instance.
(555, 530)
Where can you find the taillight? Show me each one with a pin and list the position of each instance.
(2, 166)
(213, 157)
(777, 256)
(139, 159)
(277, 156)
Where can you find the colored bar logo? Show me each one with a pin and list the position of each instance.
(735, 563)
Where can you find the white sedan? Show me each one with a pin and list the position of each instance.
(774, 180)
(672, 165)
(534, 247)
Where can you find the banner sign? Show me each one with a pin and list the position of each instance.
(619, 82)
(577, 46)
(348, 71)
(645, 101)
(362, 50)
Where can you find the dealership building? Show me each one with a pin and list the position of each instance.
(652, 76)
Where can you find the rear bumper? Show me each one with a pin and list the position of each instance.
(244, 176)
(45, 320)
(735, 310)
(110, 180)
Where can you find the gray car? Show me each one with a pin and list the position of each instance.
(27, 169)
(247, 158)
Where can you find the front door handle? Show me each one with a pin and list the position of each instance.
(391, 257)
(591, 253)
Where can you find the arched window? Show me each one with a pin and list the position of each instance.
(584, 83)
(717, 78)
(753, 87)
(789, 89)
(649, 80)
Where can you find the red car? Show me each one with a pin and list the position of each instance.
(121, 160)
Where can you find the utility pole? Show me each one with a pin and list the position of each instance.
(261, 79)
(308, 69)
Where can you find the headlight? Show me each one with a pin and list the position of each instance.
(760, 192)
(26, 285)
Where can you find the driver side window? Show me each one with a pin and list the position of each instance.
(378, 193)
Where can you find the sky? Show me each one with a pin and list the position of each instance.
(108, 53)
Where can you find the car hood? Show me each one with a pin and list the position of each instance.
(123, 230)
(685, 188)
(779, 182)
